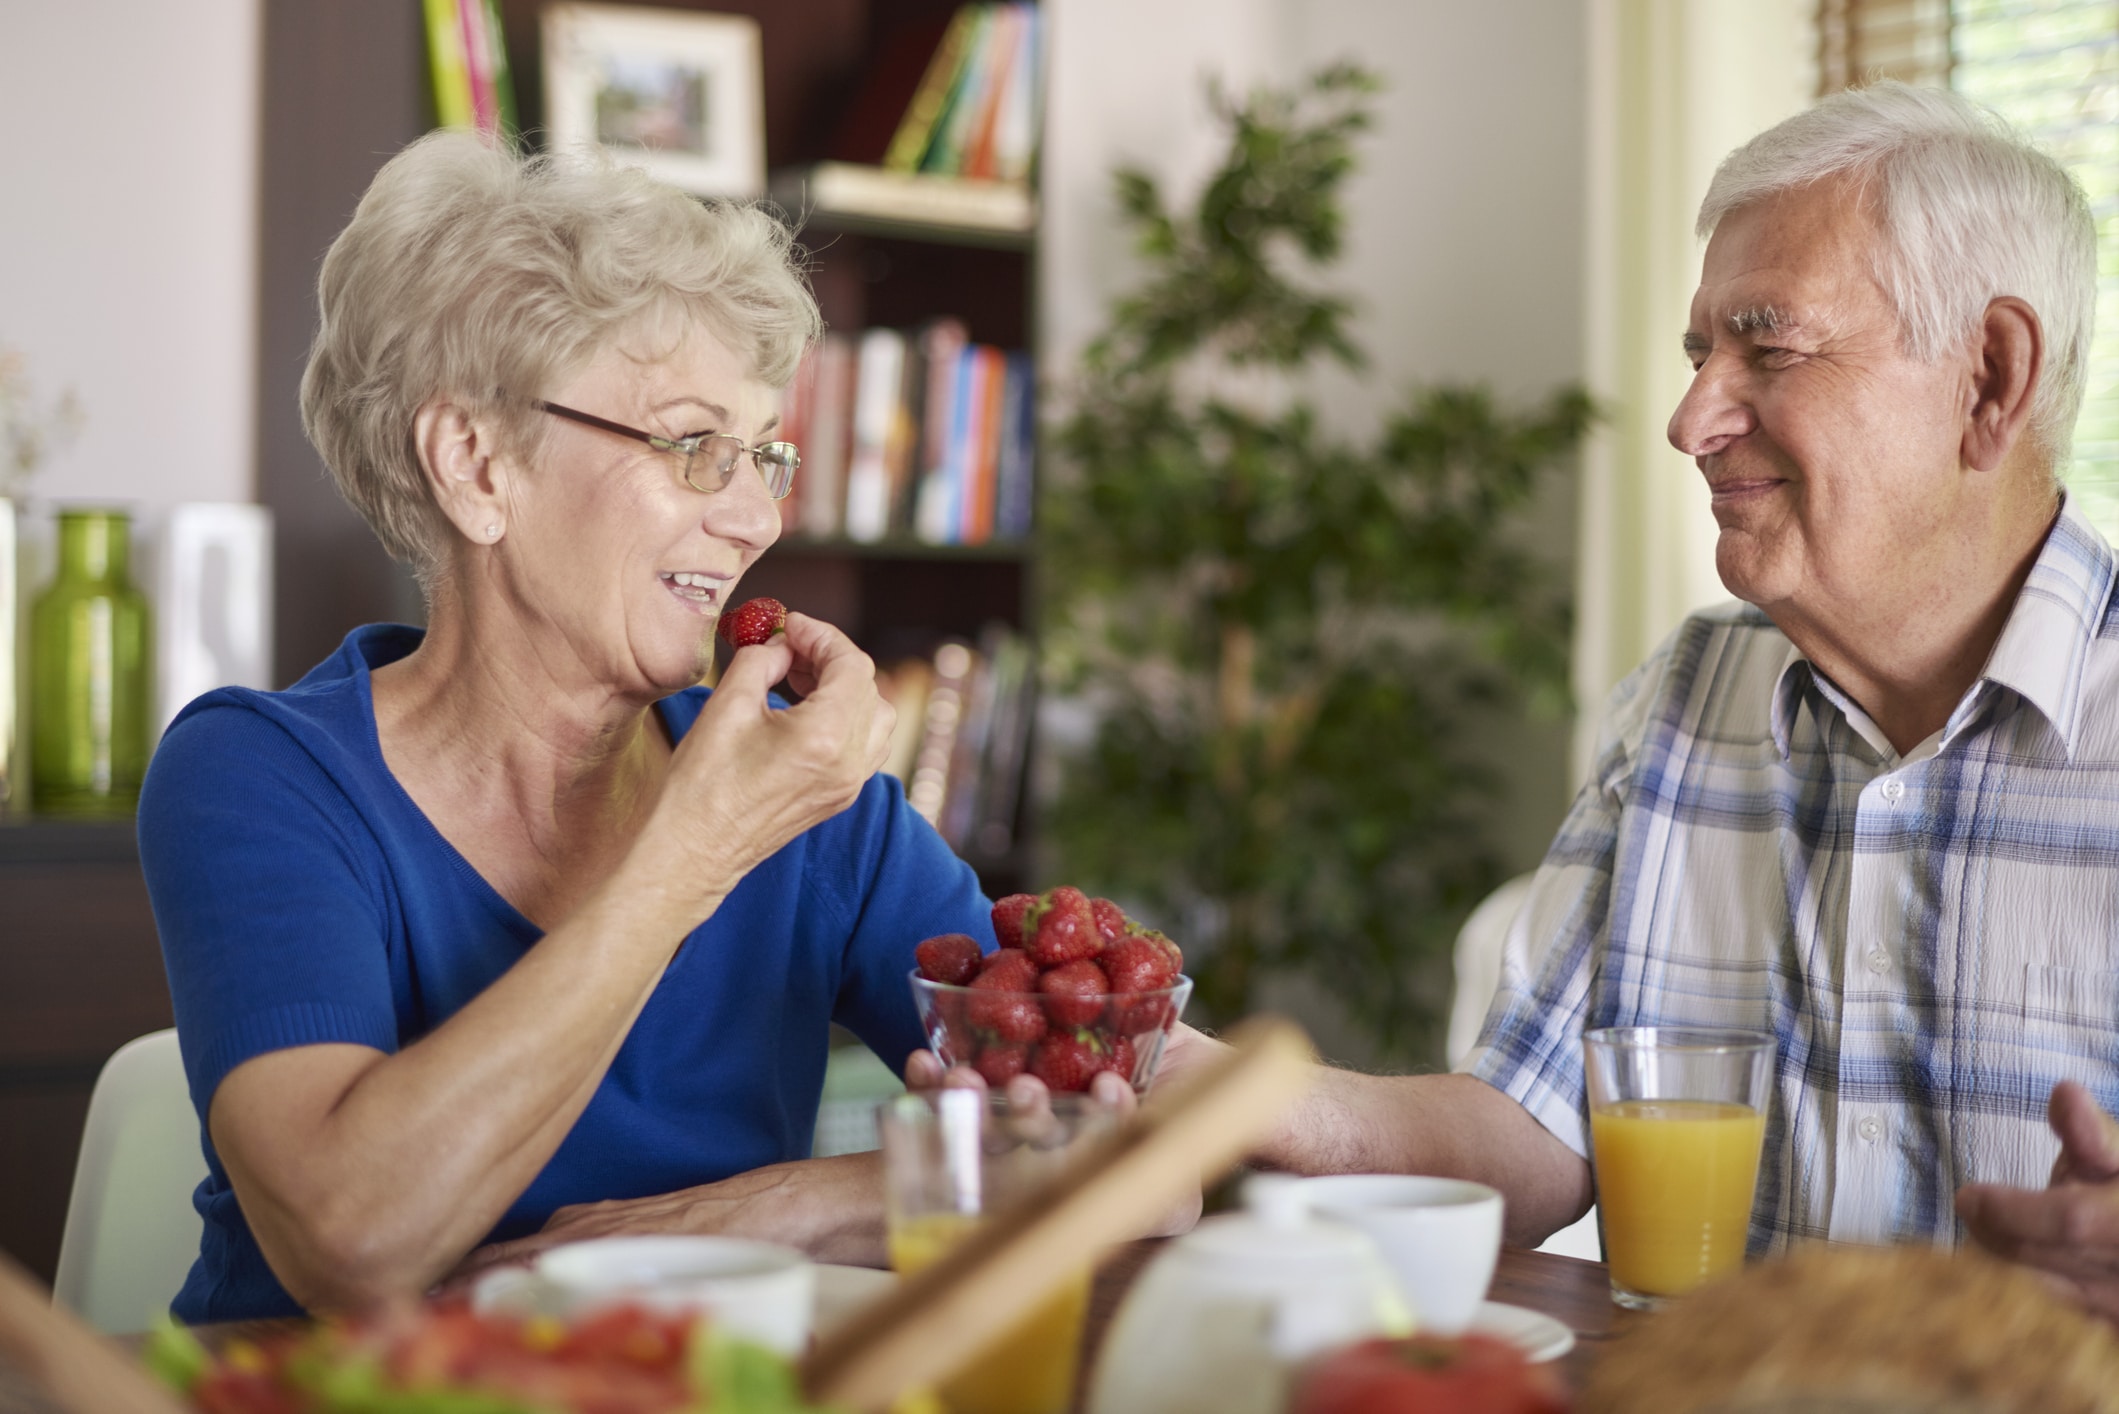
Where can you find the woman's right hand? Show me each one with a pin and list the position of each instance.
(748, 777)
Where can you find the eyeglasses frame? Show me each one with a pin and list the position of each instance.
(689, 448)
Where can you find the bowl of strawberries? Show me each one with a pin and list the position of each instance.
(1077, 988)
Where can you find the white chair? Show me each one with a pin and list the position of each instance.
(131, 1232)
(855, 1082)
(1478, 959)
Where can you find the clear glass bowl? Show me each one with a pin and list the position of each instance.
(1001, 1034)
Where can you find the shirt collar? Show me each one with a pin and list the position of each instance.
(2046, 642)
(2043, 645)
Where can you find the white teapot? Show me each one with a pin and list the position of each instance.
(1221, 1318)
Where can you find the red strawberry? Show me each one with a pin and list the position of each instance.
(1002, 1063)
(1146, 1015)
(1136, 964)
(1074, 993)
(1110, 919)
(1016, 965)
(753, 621)
(1002, 1002)
(1118, 1058)
(1170, 949)
(1061, 927)
(1066, 1063)
(954, 1041)
(952, 958)
(1008, 918)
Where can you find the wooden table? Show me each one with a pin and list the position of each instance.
(1573, 1292)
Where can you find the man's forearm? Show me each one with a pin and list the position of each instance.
(1452, 1125)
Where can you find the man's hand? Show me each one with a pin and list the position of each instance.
(2070, 1228)
(1185, 1049)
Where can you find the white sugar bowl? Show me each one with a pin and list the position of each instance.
(1223, 1315)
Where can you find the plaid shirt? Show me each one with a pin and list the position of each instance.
(1934, 937)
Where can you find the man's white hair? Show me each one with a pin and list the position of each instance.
(1969, 210)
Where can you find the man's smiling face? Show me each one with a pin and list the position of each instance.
(1832, 455)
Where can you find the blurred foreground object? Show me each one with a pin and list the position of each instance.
(58, 1357)
(1473, 1374)
(1865, 1329)
(1183, 1136)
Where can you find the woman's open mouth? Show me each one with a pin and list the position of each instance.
(700, 592)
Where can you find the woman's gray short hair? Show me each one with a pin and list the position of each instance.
(472, 272)
(1970, 211)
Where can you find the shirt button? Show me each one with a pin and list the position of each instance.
(1879, 962)
(1871, 1128)
(1894, 791)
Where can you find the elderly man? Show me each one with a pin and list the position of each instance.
(1873, 809)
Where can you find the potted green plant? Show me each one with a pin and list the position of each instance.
(1282, 629)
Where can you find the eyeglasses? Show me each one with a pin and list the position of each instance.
(709, 457)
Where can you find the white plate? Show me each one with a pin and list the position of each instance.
(841, 1291)
(1538, 1336)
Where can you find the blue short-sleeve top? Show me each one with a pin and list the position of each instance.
(302, 897)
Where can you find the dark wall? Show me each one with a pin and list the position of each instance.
(344, 88)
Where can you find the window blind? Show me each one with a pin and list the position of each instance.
(2051, 67)
(1862, 40)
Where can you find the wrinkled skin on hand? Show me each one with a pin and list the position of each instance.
(2068, 1230)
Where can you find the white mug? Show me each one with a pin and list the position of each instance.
(1439, 1236)
(755, 1290)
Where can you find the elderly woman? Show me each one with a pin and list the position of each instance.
(477, 925)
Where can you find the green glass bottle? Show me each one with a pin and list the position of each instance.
(90, 674)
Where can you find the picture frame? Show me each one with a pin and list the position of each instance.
(675, 93)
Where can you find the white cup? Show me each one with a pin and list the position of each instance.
(1439, 1236)
(755, 1290)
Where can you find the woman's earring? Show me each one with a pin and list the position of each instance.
(493, 532)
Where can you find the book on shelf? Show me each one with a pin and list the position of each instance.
(912, 434)
(914, 130)
(976, 111)
(468, 61)
(962, 737)
(890, 88)
(965, 142)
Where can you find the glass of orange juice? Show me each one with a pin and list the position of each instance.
(1677, 1117)
(950, 1159)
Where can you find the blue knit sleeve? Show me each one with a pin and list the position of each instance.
(896, 883)
(268, 893)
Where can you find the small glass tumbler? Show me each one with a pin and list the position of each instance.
(951, 1158)
(1677, 1117)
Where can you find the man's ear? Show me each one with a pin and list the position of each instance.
(456, 452)
(2011, 359)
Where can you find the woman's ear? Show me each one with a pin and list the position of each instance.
(2011, 358)
(457, 454)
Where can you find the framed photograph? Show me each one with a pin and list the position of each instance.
(678, 94)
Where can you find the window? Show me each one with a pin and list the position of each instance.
(2051, 67)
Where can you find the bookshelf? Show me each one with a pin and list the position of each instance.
(346, 86)
(898, 596)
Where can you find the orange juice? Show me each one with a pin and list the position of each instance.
(1674, 1186)
(1030, 1370)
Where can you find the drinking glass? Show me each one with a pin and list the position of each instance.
(951, 1158)
(1677, 1117)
